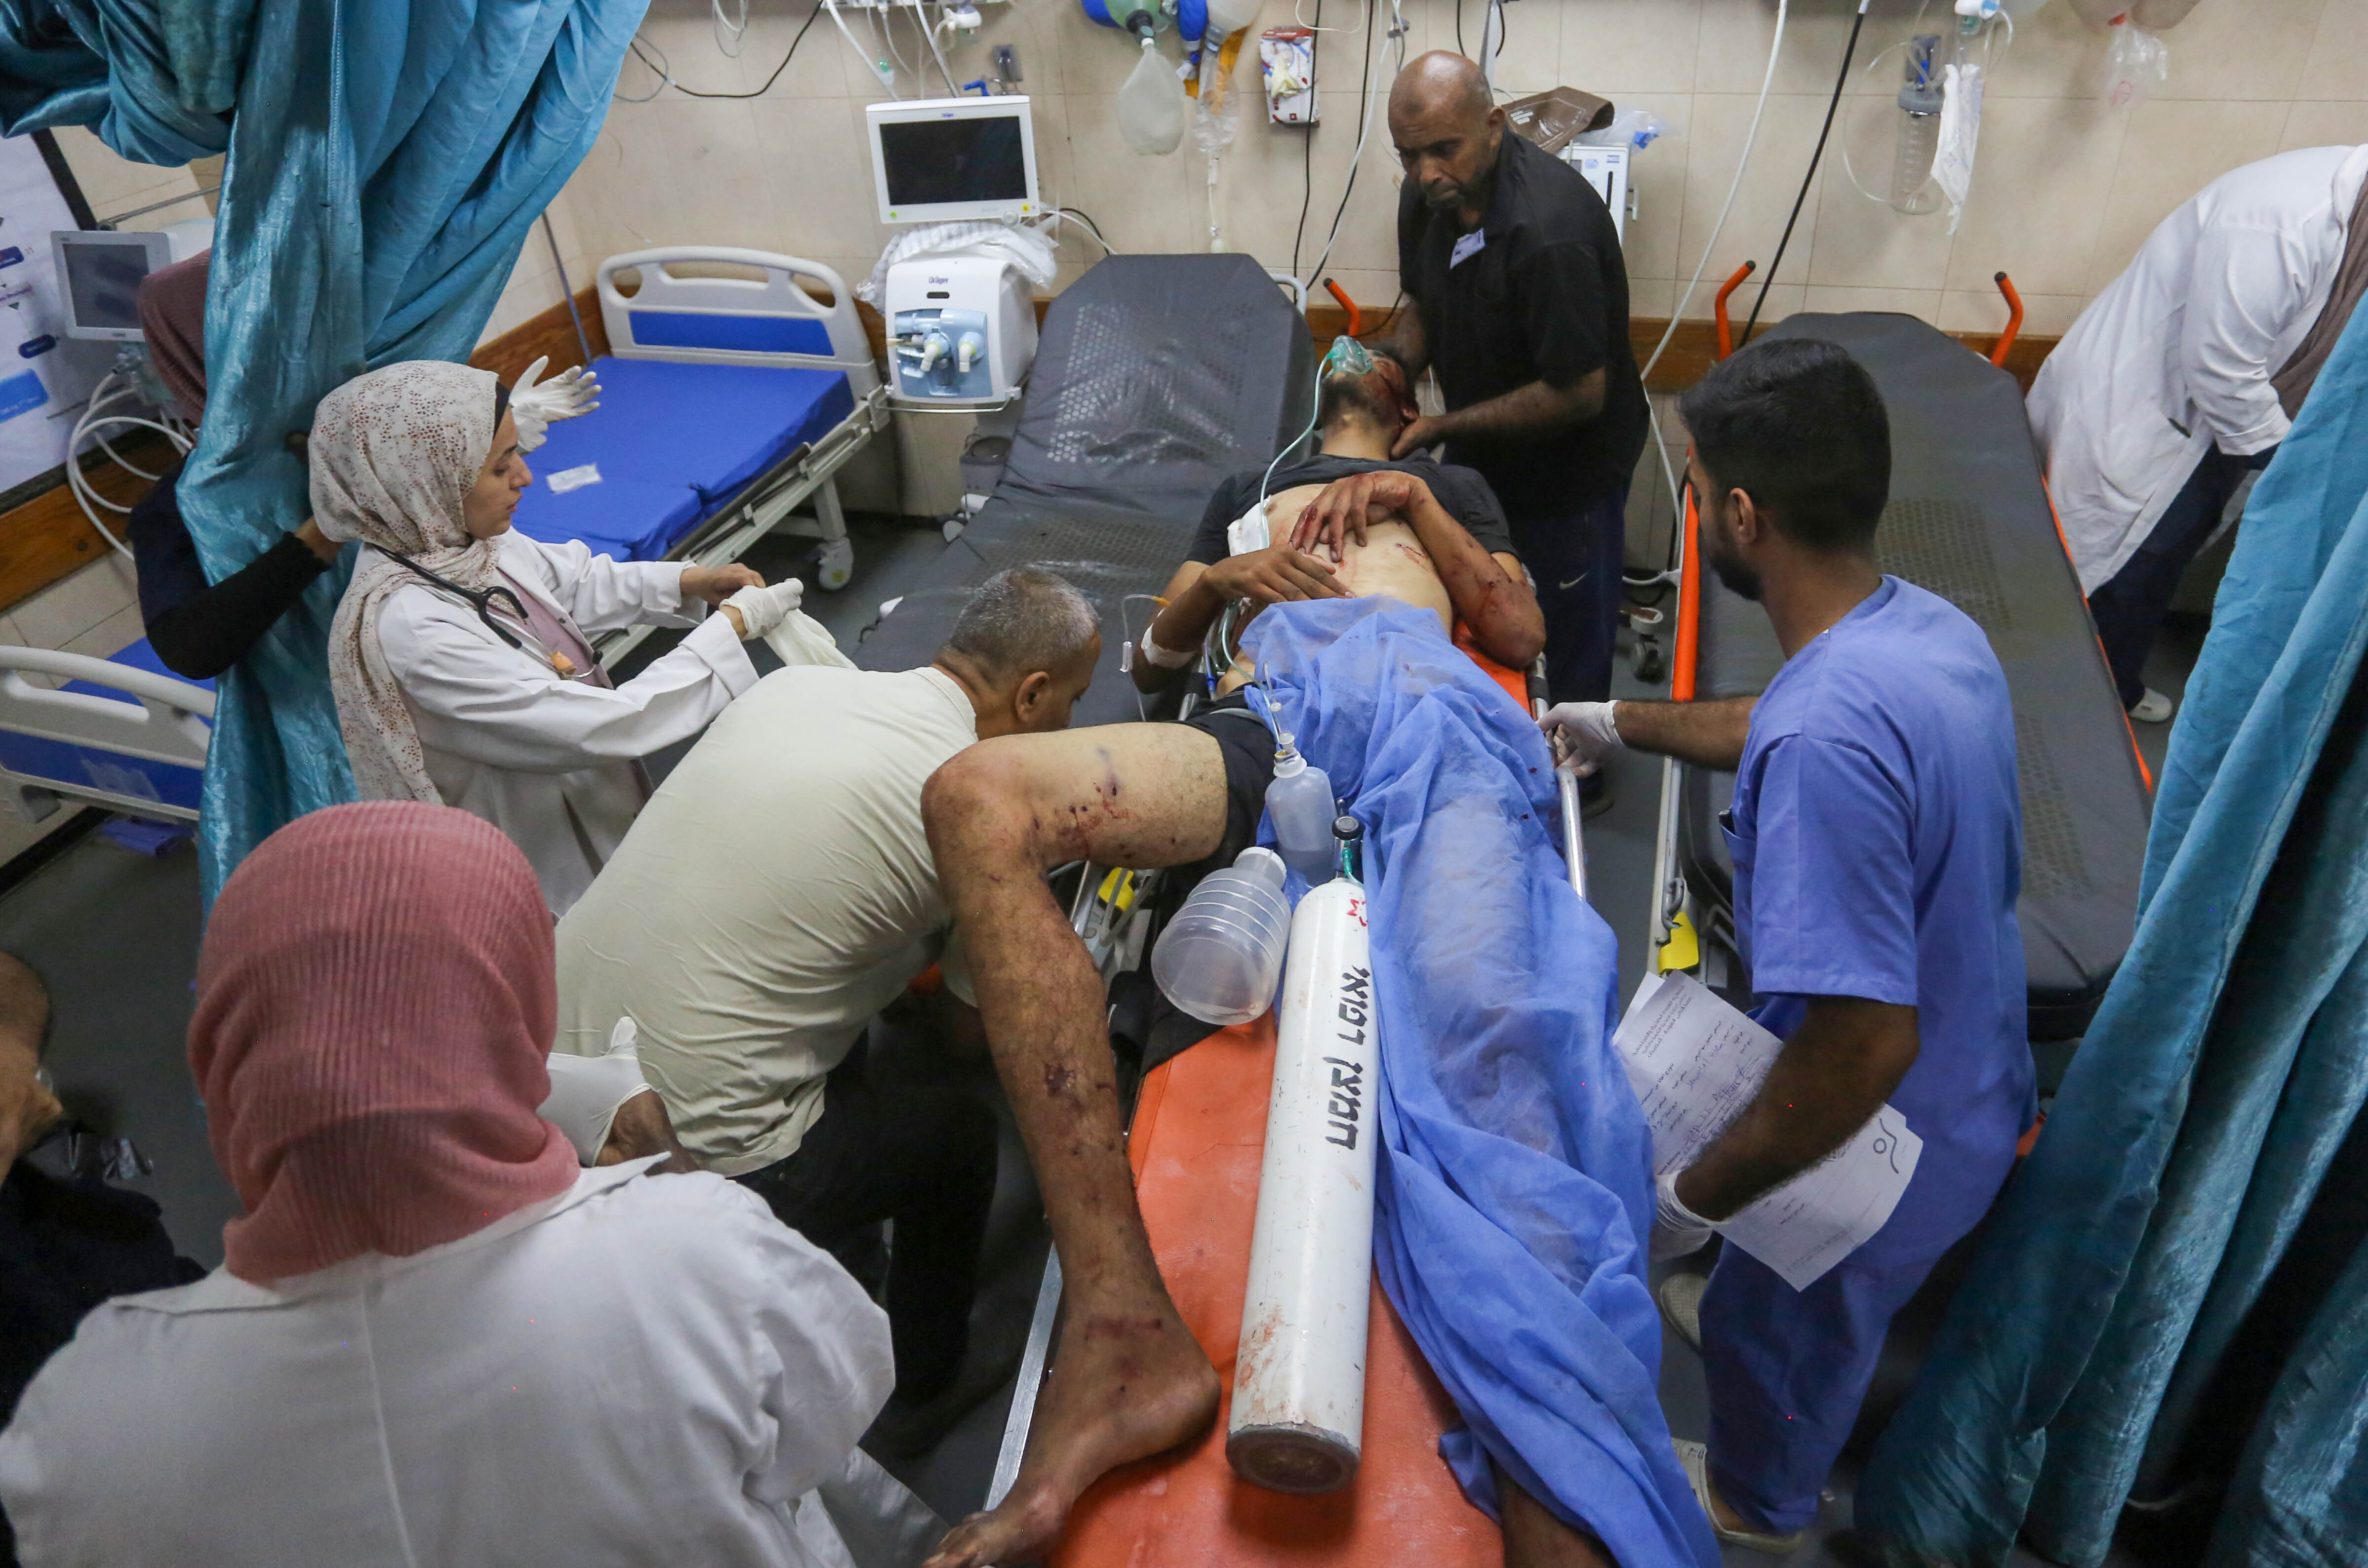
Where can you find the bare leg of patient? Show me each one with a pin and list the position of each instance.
(1129, 1380)
(1535, 1538)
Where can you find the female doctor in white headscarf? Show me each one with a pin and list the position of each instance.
(460, 656)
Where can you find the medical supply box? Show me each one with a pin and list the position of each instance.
(961, 330)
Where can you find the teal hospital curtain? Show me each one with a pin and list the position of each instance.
(2177, 1269)
(386, 159)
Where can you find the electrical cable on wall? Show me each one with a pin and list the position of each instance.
(1368, 101)
(1750, 140)
(1307, 141)
(664, 67)
(1841, 77)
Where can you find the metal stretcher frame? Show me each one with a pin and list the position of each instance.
(832, 338)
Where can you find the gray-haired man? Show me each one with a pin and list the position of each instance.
(775, 894)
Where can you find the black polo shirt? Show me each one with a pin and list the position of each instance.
(1544, 297)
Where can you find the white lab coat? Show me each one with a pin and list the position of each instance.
(2178, 351)
(550, 762)
(643, 1369)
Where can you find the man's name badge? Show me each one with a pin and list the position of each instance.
(1468, 246)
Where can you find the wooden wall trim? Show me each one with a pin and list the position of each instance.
(47, 538)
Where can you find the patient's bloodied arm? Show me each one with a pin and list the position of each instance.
(1197, 595)
(1709, 733)
(1489, 596)
(1128, 1379)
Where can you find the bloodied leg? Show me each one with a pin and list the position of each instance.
(1129, 1380)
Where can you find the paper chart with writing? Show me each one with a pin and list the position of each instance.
(1696, 1063)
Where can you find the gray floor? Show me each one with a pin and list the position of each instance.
(116, 935)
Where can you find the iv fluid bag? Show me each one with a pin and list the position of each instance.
(1151, 106)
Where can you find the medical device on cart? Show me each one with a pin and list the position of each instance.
(962, 329)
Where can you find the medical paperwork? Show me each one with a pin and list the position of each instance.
(1695, 1063)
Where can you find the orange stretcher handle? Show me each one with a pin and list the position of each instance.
(1356, 317)
(1681, 667)
(2014, 320)
(1718, 306)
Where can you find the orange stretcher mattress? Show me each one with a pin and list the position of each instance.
(1197, 1143)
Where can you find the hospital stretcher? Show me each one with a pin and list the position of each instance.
(1969, 519)
(726, 404)
(122, 733)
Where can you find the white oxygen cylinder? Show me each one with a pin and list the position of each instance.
(1299, 1380)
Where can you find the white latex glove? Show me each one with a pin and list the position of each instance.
(1586, 732)
(1677, 1230)
(585, 1091)
(761, 609)
(536, 403)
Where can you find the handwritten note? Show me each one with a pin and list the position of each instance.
(1696, 1063)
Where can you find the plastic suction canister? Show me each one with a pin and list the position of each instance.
(1219, 958)
(1299, 1380)
(1920, 102)
(1301, 802)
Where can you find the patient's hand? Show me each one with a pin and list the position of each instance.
(1340, 513)
(1276, 575)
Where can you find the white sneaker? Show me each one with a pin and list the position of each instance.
(1695, 1459)
(2152, 707)
(1680, 1297)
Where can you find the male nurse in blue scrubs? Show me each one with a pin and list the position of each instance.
(1876, 838)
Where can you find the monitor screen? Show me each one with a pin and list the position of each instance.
(967, 158)
(103, 282)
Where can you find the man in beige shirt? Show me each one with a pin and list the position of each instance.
(775, 894)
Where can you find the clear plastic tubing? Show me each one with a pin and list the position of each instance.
(1919, 123)
(1221, 957)
(1300, 801)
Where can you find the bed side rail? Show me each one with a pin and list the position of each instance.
(685, 309)
(167, 721)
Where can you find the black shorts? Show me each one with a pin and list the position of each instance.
(1249, 748)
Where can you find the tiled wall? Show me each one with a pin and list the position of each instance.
(2065, 188)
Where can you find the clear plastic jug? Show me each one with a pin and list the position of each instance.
(1301, 802)
(1221, 957)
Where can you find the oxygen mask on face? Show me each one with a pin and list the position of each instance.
(1347, 357)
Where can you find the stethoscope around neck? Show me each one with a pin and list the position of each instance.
(514, 631)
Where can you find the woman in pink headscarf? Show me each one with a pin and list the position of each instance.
(435, 1338)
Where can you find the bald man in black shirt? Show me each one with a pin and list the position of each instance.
(1522, 307)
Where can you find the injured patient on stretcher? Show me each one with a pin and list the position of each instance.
(1128, 1379)
(1429, 533)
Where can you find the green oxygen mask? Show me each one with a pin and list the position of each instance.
(1347, 357)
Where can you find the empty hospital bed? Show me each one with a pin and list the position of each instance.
(731, 396)
(1969, 518)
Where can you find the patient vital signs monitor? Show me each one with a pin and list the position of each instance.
(944, 160)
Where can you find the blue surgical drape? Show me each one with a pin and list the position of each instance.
(2206, 1111)
(385, 162)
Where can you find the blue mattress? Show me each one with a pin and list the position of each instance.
(160, 781)
(673, 443)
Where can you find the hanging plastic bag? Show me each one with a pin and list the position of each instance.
(1150, 105)
(1961, 128)
(2136, 63)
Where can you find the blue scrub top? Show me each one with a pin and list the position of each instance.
(1877, 841)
